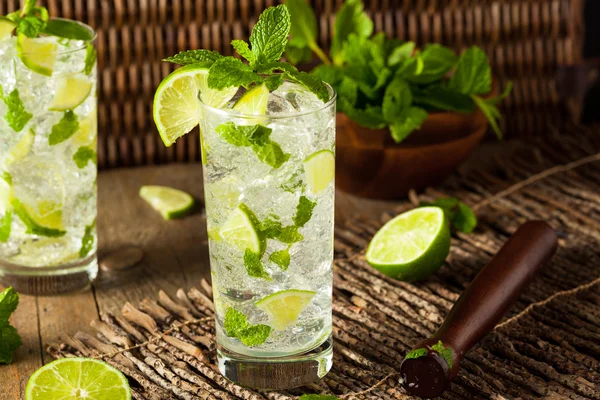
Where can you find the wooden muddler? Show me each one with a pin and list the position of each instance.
(436, 361)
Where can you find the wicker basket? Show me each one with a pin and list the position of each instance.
(527, 41)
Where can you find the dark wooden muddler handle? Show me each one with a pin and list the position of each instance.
(428, 370)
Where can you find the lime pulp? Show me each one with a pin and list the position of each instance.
(284, 307)
(319, 169)
(170, 203)
(241, 230)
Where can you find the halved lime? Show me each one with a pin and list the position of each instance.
(6, 28)
(38, 56)
(43, 220)
(22, 148)
(319, 169)
(76, 379)
(72, 91)
(170, 203)
(411, 246)
(176, 103)
(254, 101)
(242, 230)
(283, 308)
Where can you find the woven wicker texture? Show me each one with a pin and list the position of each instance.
(526, 40)
(551, 350)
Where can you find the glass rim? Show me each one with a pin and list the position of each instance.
(228, 112)
(73, 50)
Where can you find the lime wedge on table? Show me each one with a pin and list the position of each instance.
(6, 28)
(37, 55)
(22, 148)
(170, 203)
(76, 379)
(254, 101)
(43, 220)
(176, 103)
(284, 307)
(411, 246)
(72, 91)
(319, 169)
(241, 229)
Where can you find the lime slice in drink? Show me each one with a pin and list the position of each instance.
(242, 230)
(283, 308)
(170, 203)
(319, 169)
(5, 195)
(43, 220)
(6, 28)
(38, 56)
(176, 104)
(86, 135)
(411, 246)
(47, 252)
(254, 101)
(22, 148)
(72, 91)
(77, 378)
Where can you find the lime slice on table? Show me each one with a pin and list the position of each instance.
(254, 101)
(411, 246)
(22, 148)
(43, 220)
(6, 28)
(283, 308)
(176, 103)
(72, 91)
(242, 230)
(77, 378)
(319, 169)
(38, 56)
(170, 203)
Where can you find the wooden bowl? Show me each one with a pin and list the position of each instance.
(370, 164)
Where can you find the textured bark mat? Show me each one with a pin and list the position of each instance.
(551, 350)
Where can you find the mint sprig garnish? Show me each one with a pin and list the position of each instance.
(16, 116)
(9, 337)
(236, 325)
(270, 34)
(31, 20)
(460, 215)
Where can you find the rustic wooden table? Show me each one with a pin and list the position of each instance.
(176, 255)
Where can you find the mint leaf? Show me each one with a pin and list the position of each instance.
(254, 266)
(290, 235)
(275, 66)
(67, 29)
(397, 98)
(304, 211)
(329, 73)
(237, 135)
(348, 90)
(194, 57)
(90, 59)
(437, 61)
(296, 55)
(473, 75)
(87, 241)
(304, 23)
(489, 109)
(83, 156)
(371, 117)
(273, 81)
(409, 120)
(10, 341)
(311, 82)
(351, 19)
(461, 216)
(243, 49)
(236, 325)
(416, 353)
(281, 258)
(293, 184)
(64, 129)
(16, 115)
(5, 226)
(401, 53)
(411, 67)
(317, 397)
(30, 26)
(443, 351)
(443, 98)
(270, 153)
(229, 71)
(358, 53)
(9, 300)
(269, 35)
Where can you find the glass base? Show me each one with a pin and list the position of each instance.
(44, 281)
(276, 373)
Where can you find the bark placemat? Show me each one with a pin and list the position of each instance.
(549, 347)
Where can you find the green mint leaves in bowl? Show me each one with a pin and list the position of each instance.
(383, 82)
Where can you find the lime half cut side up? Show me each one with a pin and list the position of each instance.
(284, 308)
(37, 55)
(319, 169)
(170, 203)
(76, 379)
(411, 246)
(177, 105)
(242, 230)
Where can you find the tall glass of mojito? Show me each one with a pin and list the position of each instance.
(47, 153)
(268, 148)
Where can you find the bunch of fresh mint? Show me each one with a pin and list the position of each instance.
(387, 82)
(268, 42)
(9, 338)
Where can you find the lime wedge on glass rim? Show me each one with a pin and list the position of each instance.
(411, 246)
(38, 56)
(77, 378)
(170, 203)
(6, 28)
(254, 101)
(319, 170)
(72, 91)
(284, 307)
(177, 104)
(242, 230)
